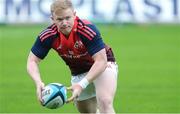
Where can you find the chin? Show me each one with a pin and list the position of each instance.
(65, 32)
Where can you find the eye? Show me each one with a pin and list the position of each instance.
(59, 19)
(68, 17)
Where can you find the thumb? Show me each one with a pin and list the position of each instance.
(70, 99)
(69, 88)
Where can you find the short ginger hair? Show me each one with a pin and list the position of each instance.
(61, 5)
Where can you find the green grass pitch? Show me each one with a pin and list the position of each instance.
(149, 68)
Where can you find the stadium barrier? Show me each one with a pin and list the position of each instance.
(109, 11)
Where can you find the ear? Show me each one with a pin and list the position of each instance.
(52, 18)
(74, 13)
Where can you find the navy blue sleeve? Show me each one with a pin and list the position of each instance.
(41, 48)
(96, 44)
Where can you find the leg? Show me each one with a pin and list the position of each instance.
(87, 106)
(105, 86)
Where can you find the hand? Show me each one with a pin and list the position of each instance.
(76, 91)
(39, 88)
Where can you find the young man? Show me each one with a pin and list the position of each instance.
(91, 62)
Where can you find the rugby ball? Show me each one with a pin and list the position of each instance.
(54, 95)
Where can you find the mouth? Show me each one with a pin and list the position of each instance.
(63, 28)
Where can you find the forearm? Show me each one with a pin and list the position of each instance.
(33, 70)
(100, 64)
(97, 68)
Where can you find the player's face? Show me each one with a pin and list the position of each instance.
(64, 20)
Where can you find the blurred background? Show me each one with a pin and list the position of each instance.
(145, 37)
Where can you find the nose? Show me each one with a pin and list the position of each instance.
(64, 22)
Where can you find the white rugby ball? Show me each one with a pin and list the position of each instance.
(54, 95)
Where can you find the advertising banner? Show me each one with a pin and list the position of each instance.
(103, 11)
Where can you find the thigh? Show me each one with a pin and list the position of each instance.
(87, 106)
(106, 83)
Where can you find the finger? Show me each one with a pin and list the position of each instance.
(69, 88)
(39, 93)
(40, 97)
(70, 99)
(40, 101)
(43, 88)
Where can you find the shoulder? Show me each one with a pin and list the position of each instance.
(48, 33)
(87, 29)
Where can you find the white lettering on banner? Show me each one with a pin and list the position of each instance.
(140, 11)
(24, 10)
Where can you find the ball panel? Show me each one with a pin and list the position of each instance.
(61, 91)
(54, 95)
(57, 94)
(48, 93)
(64, 92)
(55, 103)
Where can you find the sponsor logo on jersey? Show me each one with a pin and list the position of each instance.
(74, 56)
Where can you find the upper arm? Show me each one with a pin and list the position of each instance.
(44, 41)
(94, 43)
(41, 48)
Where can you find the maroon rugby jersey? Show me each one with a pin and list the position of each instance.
(76, 50)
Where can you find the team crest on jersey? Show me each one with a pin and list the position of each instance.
(78, 44)
(60, 46)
